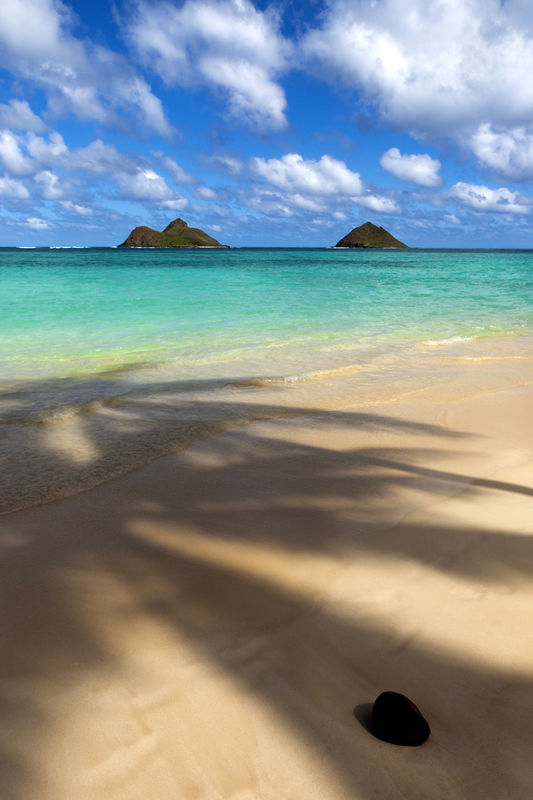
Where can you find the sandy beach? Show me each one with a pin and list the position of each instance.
(266, 395)
(204, 627)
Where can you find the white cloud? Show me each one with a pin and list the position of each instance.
(56, 167)
(100, 159)
(18, 115)
(205, 193)
(96, 158)
(84, 211)
(50, 184)
(227, 45)
(376, 202)
(420, 169)
(508, 151)
(293, 173)
(37, 224)
(178, 173)
(431, 67)
(47, 151)
(230, 165)
(220, 211)
(177, 204)
(270, 203)
(145, 184)
(11, 155)
(481, 198)
(306, 203)
(87, 80)
(452, 218)
(300, 184)
(11, 187)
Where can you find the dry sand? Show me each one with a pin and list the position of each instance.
(204, 627)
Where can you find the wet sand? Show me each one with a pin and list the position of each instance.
(203, 628)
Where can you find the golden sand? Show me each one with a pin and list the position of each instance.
(204, 628)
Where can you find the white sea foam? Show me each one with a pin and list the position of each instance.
(490, 358)
(444, 342)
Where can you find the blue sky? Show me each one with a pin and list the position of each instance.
(267, 123)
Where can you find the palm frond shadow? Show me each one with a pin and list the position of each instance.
(309, 660)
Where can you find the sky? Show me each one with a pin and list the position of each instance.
(284, 124)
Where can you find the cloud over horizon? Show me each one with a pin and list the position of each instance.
(267, 120)
(420, 169)
(229, 46)
(447, 68)
(88, 80)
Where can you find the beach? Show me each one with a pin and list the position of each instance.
(243, 494)
(206, 626)
(266, 392)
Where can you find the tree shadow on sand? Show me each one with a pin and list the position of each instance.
(180, 551)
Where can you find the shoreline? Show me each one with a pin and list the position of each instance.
(121, 421)
(204, 626)
(53, 454)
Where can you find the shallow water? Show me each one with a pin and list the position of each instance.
(109, 357)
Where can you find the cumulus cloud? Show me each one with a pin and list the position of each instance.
(272, 204)
(11, 155)
(230, 165)
(228, 45)
(178, 173)
(48, 150)
(507, 151)
(50, 184)
(18, 115)
(431, 67)
(220, 211)
(298, 185)
(53, 164)
(305, 203)
(481, 198)
(90, 81)
(176, 204)
(420, 169)
(99, 158)
(376, 202)
(11, 187)
(205, 193)
(37, 224)
(84, 211)
(145, 184)
(293, 173)
(96, 158)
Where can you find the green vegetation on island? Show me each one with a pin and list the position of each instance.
(369, 235)
(176, 234)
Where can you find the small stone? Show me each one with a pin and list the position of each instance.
(397, 720)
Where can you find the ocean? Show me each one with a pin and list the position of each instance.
(110, 358)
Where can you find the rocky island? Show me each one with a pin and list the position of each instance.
(176, 234)
(369, 235)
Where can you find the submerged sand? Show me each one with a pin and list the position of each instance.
(205, 626)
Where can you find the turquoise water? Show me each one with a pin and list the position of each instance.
(88, 333)
(68, 311)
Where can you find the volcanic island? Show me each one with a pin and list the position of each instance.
(176, 234)
(370, 235)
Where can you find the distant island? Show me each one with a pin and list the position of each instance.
(369, 235)
(176, 234)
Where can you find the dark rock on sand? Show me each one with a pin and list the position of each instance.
(396, 719)
(369, 235)
(176, 234)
